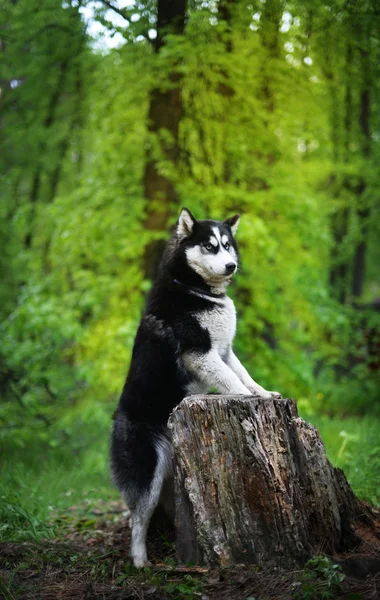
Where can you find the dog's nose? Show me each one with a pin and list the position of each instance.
(230, 268)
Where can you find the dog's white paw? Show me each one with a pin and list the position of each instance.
(140, 561)
(139, 555)
(265, 394)
(260, 392)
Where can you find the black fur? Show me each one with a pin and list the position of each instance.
(157, 379)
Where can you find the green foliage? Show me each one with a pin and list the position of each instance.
(45, 479)
(274, 124)
(173, 586)
(320, 578)
(6, 589)
(353, 444)
(48, 474)
(39, 338)
(188, 588)
(20, 524)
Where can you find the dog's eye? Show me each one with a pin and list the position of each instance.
(209, 247)
(227, 245)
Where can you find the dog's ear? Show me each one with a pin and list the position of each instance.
(233, 223)
(185, 224)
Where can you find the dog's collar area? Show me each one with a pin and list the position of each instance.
(198, 291)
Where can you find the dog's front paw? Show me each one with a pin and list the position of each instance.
(259, 391)
(265, 394)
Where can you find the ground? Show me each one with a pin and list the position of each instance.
(51, 491)
(89, 561)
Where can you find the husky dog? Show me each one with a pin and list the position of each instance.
(183, 346)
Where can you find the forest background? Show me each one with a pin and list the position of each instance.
(114, 114)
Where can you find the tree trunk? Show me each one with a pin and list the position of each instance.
(38, 173)
(270, 35)
(363, 212)
(341, 215)
(165, 113)
(50, 120)
(253, 485)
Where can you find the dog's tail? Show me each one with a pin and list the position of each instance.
(140, 455)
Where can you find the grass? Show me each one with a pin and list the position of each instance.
(41, 480)
(353, 444)
(62, 490)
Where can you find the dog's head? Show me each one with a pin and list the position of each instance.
(209, 246)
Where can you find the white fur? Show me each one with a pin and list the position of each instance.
(185, 224)
(212, 267)
(217, 234)
(234, 227)
(220, 367)
(146, 505)
(211, 371)
(254, 388)
(220, 324)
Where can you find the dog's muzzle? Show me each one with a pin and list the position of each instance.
(230, 268)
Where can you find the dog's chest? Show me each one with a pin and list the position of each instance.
(220, 323)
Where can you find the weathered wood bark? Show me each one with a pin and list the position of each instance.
(253, 484)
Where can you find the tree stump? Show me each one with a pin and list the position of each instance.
(253, 485)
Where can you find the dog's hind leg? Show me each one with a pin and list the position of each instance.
(147, 502)
(141, 516)
(167, 499)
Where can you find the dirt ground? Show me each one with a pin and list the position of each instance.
(89, 561)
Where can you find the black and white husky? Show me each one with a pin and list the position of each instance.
(183, 346)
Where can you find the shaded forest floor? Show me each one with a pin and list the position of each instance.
(65, 532)
(89, 561)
